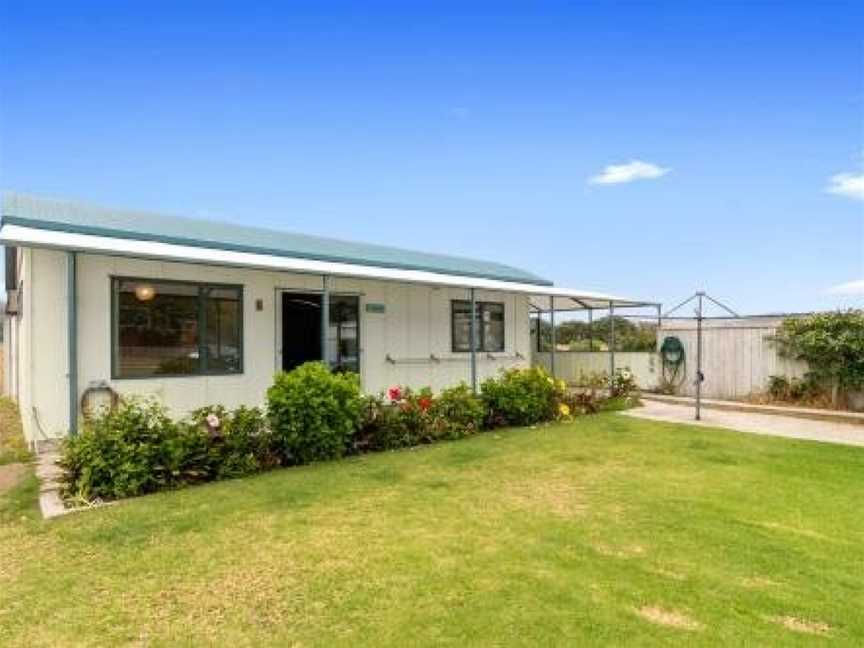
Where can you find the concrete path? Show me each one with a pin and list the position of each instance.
(770, 424)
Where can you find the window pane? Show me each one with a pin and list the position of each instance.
(461, 323)
(222, 337)
(493, 327)
(157, 328)
(462, 326)
(343, 333)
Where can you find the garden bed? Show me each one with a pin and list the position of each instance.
(311, 415)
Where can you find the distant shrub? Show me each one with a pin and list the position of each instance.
(313, 413)
(623, 383)
(522, 397)
(796, 390)
(832, 345)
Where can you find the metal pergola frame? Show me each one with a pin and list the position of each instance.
(590, 305)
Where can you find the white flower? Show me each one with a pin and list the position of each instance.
(212, 420)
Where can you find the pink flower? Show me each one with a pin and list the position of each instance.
(212, 421)
(395, 394)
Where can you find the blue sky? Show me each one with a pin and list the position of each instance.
(469, 128)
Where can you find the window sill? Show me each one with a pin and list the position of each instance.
(174, 376)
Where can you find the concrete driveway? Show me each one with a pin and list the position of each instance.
(770, 424)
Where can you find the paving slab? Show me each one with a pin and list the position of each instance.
(769, 424)
(836, 416)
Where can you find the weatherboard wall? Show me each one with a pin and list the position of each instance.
(408, 344)
(738, 356)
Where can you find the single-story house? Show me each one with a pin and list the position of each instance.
(196, 313)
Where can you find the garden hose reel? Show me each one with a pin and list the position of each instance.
(673, 360)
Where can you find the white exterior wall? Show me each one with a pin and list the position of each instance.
(570, 365)
(414, 327)
(20, 345)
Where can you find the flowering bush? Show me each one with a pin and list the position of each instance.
(623, 383)
(312, 414)
(240, 442)
(406, 417)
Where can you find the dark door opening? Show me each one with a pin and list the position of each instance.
(301, 329)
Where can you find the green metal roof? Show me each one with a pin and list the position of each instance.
(82, 218)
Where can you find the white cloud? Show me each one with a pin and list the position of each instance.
(632, 170)
(849, 288)
(847, 184)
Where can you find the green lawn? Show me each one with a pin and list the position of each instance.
(608, 530)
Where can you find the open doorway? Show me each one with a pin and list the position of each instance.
(301, 329)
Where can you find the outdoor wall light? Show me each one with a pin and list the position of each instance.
(145, 292)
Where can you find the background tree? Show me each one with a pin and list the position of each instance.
(832, 345)
(629, 335)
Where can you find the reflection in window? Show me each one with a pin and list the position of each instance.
(344, 333)
(173, 328)
(223, 329)
(489, 334)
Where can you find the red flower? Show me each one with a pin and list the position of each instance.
(395, 394)
(425, 403)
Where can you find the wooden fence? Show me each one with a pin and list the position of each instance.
(738, 356)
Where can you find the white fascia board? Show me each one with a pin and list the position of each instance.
(34, 237)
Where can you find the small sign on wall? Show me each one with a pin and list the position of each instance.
(372, 307)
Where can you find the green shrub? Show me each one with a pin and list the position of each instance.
(240, 443)
(138, 449)
(313, 413)
(832, 345)
(779, 387)
(522, 397)
(457, 412)
(132, 450)
(795, 390)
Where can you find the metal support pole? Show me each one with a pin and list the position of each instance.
(590, 329)
(325, 320)
(611, 341)
(554, 338)
(472, 333)
(699, 357)
(72, 338)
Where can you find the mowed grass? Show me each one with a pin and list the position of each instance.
(609, 530)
